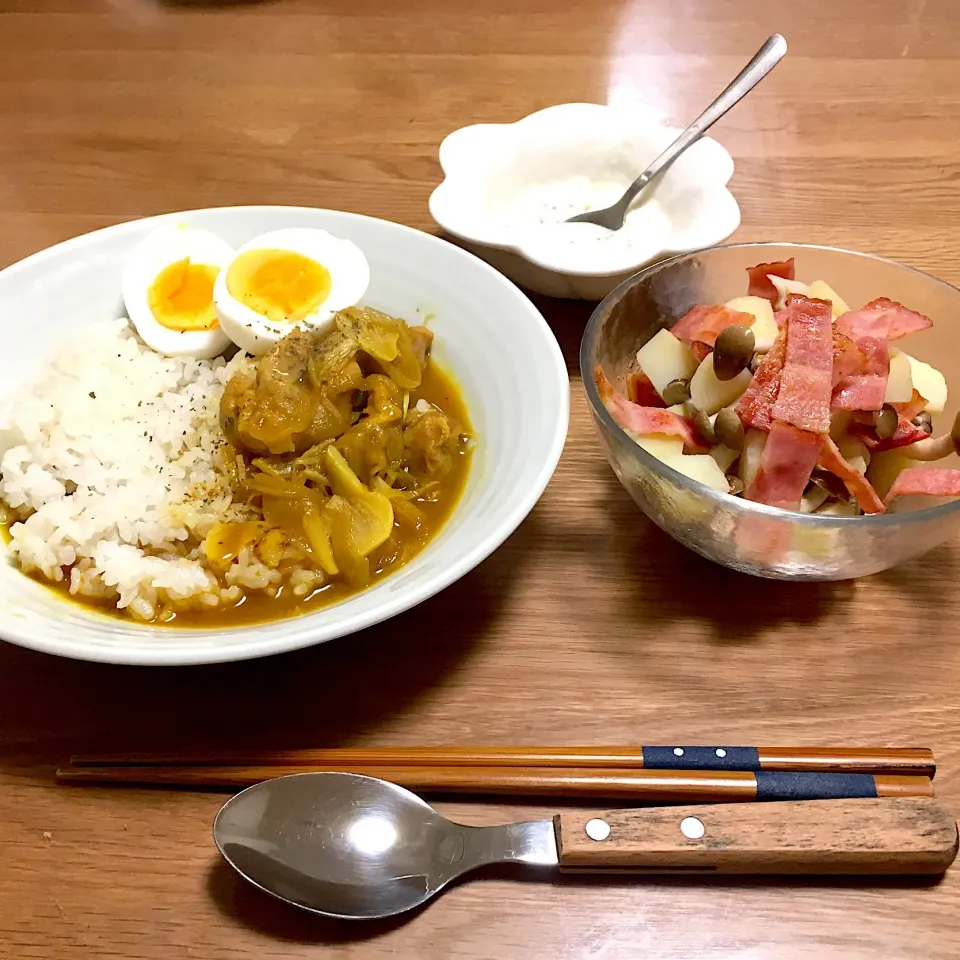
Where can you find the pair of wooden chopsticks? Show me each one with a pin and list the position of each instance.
(648, 774)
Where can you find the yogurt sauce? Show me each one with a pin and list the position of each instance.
(533, 216)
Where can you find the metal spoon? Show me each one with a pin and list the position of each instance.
(350, 846)
(765, 59)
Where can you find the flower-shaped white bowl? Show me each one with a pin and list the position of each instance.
(508, 188)
(489, 337)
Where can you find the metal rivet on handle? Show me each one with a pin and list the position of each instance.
(597, 829)
(721, 752)
(678, 751)
(691, 828)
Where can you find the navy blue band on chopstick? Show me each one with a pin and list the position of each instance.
(776, 785)
(700, 758)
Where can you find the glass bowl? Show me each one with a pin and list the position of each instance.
(751, 537)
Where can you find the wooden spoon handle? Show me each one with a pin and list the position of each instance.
(905, 836)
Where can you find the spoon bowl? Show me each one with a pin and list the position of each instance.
(354, 847)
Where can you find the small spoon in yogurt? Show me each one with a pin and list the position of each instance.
(764, 60)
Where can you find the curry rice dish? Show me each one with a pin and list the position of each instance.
(214, 492)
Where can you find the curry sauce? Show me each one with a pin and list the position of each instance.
(436, 388)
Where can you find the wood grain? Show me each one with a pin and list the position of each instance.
(839, 837)
(588, 625)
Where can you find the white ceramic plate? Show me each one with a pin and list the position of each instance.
(488, 336)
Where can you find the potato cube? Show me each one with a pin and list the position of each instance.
(900, 379)
(753, 444)
(819, 290)
(884, 468)
(838, 508)
(929, 382)
(764, 326)
(664, 358)
(661, 446)
(702, 467)
(709, 393)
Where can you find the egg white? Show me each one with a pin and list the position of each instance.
(349, 278)
(159, 249)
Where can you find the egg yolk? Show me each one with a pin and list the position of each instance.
(278, 284)
(181, 297)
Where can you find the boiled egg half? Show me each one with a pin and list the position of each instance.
(298, 277)
(167, 287)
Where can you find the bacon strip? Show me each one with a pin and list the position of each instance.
(761, 286)
(926, 481)
(640, 390)
(859, 486)
(762, 538)
(755, 407)
(700, 350)
(912, 407)
(873, 327)
(644, 421)
(704, 323)
(789, 457)
(804, 397)
(905, 434)
(847, 358)
(865, 388)
(882, 318)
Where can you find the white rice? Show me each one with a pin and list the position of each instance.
(112, 455)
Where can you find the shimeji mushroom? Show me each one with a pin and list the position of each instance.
(935, 448)
(924, 421)
(728, 428)
(886, 422)
(676, 391)
(704, 425)
(733, 351)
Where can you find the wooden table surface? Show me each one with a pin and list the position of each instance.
(589, 625)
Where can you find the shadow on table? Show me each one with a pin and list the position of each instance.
(530, 875)
(568, 319)
(914, 580)
(740, 608)
(660, 580)
(240, 902)
(324, 695)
